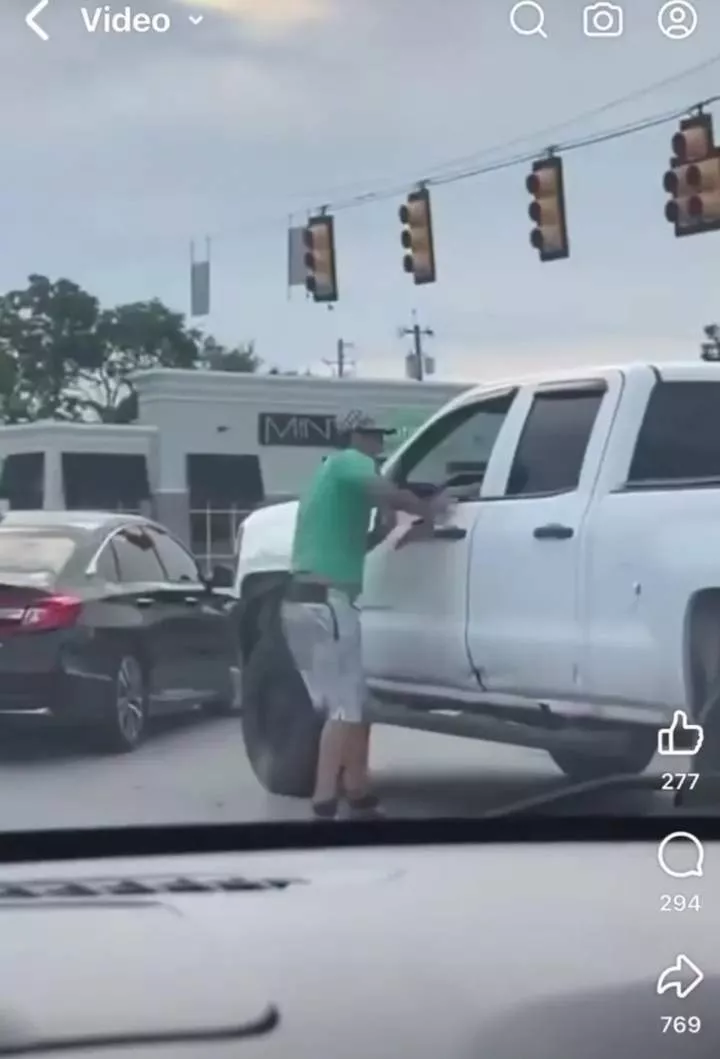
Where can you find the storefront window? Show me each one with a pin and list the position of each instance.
(223, 490)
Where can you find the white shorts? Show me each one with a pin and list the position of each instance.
(325, 641)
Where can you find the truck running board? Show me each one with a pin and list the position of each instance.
(570, 736)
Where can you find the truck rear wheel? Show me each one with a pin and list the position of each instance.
(579, 767)
(280, 726)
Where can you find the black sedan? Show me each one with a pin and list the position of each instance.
(106, 621)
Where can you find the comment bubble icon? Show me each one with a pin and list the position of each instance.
(681, 855)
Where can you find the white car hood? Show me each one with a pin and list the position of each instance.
(266, 540)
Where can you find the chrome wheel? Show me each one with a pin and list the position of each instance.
(130, 701)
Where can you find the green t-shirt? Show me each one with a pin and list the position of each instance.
(333, 520)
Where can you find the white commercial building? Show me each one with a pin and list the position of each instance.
(208, 447)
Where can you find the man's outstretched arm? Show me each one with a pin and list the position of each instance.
(387, 495)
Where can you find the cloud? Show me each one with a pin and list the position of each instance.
(268, 15)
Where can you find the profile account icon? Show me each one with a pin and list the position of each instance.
(677, 19)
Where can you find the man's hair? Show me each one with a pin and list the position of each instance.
(342, 441)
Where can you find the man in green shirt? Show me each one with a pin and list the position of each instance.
(321, 618)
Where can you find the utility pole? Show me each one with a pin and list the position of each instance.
(710, 350)
(418, 333)
(341, 362)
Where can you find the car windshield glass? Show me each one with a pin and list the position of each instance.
(360, 367)
(28, 552)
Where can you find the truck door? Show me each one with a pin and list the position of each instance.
(524, 625)
(414, 601)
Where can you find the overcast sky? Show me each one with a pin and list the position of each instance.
(119, 149)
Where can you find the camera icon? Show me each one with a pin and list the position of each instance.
(603, 20)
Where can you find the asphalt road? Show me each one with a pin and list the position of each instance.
(194, 770)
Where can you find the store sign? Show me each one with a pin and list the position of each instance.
(318, 431)
(298, 431)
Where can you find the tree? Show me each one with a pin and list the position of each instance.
(47, 337)
(241, 358)
(62, 356)
(133, 338)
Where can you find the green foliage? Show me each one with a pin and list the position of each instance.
(62, 356)
(217, 358)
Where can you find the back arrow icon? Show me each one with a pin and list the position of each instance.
(32, 24)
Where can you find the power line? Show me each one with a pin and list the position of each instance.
(459, 172)
(468, 166)
(584, 116)
(631, 129)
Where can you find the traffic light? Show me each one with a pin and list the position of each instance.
(417, 237)
(545, 184)
(320, 272)
(693, 179)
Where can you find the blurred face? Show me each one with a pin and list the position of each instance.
(371, 443)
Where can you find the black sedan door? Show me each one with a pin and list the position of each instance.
(163, 611)
(204, 626)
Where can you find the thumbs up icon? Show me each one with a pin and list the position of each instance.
(680, 737)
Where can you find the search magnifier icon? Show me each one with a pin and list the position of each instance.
(528, 18)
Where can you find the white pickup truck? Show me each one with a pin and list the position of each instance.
(571, 603)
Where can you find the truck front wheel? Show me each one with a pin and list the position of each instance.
(579, 767)
(280, 726)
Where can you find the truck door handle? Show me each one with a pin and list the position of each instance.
(449, 533)
(192, 601)
(553, 531)
(144, 601)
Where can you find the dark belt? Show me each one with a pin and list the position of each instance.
(306, 592)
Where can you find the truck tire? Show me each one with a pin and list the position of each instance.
(579, 767)
(281, 728)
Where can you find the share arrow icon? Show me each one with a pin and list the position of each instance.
(33, 25)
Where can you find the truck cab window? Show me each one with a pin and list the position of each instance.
(458, 446)
(680, 434)
(552, 446)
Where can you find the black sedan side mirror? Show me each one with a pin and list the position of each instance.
(221, 577)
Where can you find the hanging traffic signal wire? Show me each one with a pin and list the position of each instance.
(617, 133)
(695, 206)
(466, 167)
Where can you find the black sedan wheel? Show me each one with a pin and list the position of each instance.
(124, 728)
(229, 704)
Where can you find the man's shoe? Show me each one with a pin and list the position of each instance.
(326, 810)
(366, 807)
